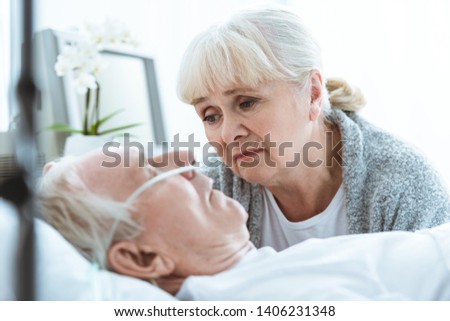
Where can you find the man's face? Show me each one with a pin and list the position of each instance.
(182, 216)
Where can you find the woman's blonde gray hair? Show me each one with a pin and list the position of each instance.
(81, 216)
(253, 47)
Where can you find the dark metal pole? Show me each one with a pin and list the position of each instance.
(19, 188)
(26, 155)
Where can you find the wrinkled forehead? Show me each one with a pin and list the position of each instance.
(115, 172)
(108, 158)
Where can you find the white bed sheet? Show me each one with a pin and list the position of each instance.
(384, 266)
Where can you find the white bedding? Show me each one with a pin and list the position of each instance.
(374, 267)
(384, 266)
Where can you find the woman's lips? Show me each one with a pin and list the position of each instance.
(247, 155)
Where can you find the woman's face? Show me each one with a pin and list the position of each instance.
(259, 131)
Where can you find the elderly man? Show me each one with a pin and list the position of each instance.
(168, 226)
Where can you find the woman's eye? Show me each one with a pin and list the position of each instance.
(210, 119)
(247, 104)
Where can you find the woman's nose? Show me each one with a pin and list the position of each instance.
(232, 130)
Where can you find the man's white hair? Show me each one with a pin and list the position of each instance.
(80, 215)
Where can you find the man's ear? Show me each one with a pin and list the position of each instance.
(316, 95)
(127, 258)
(47, 167)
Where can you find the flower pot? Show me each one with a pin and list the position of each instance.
(77, 145)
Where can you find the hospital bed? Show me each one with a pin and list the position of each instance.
(375, 267)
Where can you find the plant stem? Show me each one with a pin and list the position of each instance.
(97, 108)
(86, 113)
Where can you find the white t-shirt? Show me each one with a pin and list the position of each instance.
(377, 266)
(280, 233)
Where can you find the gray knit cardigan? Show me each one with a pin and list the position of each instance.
(388, 184)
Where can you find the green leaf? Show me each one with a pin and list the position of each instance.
(64, 128)
(108, 117)
(112, 130)
(92, 130)
(96, 126)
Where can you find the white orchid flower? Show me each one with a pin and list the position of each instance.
(62, 66)
(87, 49)
(66, 61)
(97, 65)
(83, 82)
(83, 60)
(112, 32)
(93, 32)
(69, 52)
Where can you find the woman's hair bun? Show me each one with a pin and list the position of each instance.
(343, 96)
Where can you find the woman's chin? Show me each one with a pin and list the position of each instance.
(255, 174)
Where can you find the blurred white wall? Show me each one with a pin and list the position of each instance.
(397, 52)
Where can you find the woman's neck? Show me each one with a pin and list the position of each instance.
(305, 191)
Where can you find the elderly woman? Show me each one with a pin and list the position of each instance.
(295, 153)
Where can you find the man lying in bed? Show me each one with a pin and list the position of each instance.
(192, 241)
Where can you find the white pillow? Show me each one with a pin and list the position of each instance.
(9, 227)
(61, 272)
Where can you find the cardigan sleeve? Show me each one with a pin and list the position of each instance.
(414, 197)
(389, 183)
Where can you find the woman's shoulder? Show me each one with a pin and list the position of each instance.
(395, 166)
(393, 174)
(383, 152)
